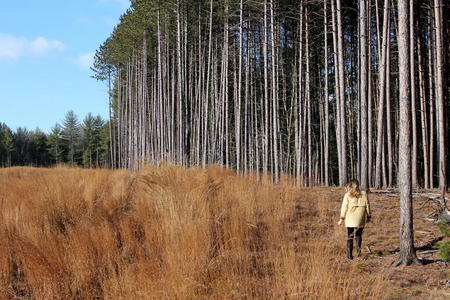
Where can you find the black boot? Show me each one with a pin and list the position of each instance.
(358, 244)
(350, 248)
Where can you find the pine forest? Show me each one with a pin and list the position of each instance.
(305, 88)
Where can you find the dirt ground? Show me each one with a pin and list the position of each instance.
(428, 281)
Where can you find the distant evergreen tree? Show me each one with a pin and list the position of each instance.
(71, 136)
(55, 144)
(97, 138)
(6, 145)
(40, 155)
(87, 139)
(9, 145)
(104, 146)
(91, 137)
(24, 148)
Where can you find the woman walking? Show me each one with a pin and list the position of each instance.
(355, 212)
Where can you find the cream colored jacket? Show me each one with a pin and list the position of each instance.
(355, 210)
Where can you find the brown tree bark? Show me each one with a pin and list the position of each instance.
(363, 41)
(274, 96)
(423, 114)
(440, 104)
(326, 141)
(413, 95)
(381, 94)
(341, 63)
(407, 251)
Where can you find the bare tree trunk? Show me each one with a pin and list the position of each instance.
(239, 93)
(440, 104)
(266, 95)
(326, 146)
(337, 92)
(308, 100)
(206, 100)
(274, 96)
(160, 92)
(381, 94)
(423, 114)
(407, 251)
(363, 91)
(369, 102)
(389, 115)
(246, 147)
(343, 167)
(413, 95)
(180, 126)
(119, 118)
(111, 133)
(225, 83)
(299, 121)
(431, 98)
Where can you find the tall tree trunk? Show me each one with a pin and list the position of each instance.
(110, 124)
(274, 96)
(300, 137)
(180, 126)
(407, 251)
(207, 93)
(239, 94)
(326, 146)
(160, 92)
(337, 92)
(381, 94)
(390, 151)
(423, 114)
(431, 96)
(440, 104)
(369, 101)
(266, 94)
(413, 95)
(341, 63)
(308, 99)
(225, 92)
(363, 91)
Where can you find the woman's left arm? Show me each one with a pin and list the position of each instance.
(369, 215)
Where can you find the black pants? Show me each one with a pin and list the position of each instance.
(356, 233)
(351, 232)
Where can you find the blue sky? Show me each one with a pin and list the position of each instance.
(46, 49)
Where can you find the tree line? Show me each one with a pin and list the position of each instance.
(72, 142)
(308, 88)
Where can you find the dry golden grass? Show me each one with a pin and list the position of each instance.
(172, 233)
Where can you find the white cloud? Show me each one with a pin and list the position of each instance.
(85, 60)
(15, 47)
(10, 46)
(41, 46)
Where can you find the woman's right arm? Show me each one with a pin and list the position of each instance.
(344, 206)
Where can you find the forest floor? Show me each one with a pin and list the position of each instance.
(176, 233)
(429, 281)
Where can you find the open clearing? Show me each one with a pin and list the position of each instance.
(174, 233)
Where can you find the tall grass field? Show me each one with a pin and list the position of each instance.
(172, 233)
